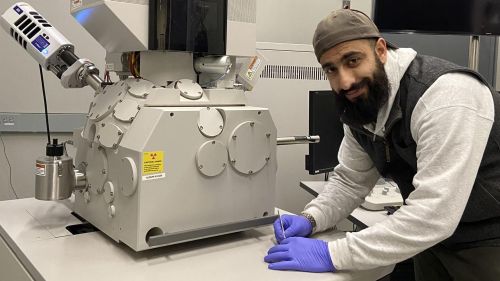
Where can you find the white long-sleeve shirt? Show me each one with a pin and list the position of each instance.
(450, 125)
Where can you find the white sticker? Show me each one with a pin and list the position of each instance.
(253, 67)
(76, 4)
(153, 177)
(40, 169)
(109, 67)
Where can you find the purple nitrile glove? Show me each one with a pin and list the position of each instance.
(295, 226)
(301, 254)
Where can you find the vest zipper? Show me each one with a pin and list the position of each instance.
(387, 152)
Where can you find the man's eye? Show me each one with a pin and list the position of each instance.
(353, 61)
(329, 70)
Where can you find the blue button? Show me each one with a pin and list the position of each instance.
(18, 10)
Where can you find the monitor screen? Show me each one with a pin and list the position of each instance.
(468, 17)
(324, 120)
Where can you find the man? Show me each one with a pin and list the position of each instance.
(429, 125)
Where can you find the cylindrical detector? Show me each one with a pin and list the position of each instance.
(213, 64)
(55, 178)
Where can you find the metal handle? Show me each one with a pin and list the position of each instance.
(297, 140)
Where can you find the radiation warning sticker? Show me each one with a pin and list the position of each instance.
(152, 165)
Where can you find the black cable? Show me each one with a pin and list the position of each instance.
(10, 167)
(45, 104)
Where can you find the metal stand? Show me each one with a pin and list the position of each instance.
(474, 53)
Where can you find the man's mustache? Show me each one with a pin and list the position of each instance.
(355, 86)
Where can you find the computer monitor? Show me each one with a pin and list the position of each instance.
(466, 17)
(324, 120)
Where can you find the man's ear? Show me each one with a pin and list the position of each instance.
(381, 49)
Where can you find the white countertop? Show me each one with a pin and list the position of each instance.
(35, 231)
(361, 217)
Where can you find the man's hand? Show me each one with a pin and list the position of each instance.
(301, 254)
(295, 226)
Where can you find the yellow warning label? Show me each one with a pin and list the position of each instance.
(152, 162)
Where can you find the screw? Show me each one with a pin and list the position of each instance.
(138, 107)
(252, 124)
(220, 127)
(201, 127)
(200, 167)
(233, 161)
(131, 118)
(98, 136)
(250, 172)
(120, 133)
(102, 124)
(213, 142)
(234, 137)
(267, 159)
(103, 171)
(268, 135)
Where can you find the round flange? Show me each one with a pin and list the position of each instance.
(210, 122)
(139, 88)
(105, 100)
(126, 110)
(109, 135)
(109, 192)
(249, 147)
(211, 158)
(189, 89)
(111, 211)
(127, 176)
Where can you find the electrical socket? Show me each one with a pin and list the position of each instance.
(8, 120)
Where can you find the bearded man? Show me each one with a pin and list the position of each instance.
(429, 125)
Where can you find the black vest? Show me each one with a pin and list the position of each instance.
(395, 155)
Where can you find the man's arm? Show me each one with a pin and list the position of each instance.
(347, 187)
(451, 125)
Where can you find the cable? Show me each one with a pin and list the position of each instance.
(45, 104)
(10, 167)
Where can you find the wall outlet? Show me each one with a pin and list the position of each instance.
(8, 120)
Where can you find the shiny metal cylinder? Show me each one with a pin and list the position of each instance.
(94, 81)
(474, 52)
(54, 178)
(213, 64)
(80, 180)
(297, 140)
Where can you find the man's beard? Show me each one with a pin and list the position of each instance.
(364, 109)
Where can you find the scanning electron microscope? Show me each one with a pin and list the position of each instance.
(171, 152)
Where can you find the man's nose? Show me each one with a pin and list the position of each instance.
(346, 80)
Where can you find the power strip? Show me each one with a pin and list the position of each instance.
(384, 193)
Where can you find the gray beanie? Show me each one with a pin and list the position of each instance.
(341, 26)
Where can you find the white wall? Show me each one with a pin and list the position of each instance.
(294, 21)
